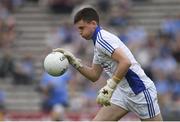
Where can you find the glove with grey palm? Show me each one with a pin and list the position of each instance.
(106, 92)
(75, 62)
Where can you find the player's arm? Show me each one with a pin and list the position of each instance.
(92, 73)
(123, 65)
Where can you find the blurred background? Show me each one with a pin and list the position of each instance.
(30, 29)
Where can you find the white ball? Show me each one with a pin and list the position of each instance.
(56, 64)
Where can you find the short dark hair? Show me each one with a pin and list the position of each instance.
(86, 14)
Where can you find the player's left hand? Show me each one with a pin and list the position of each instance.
(106, 92)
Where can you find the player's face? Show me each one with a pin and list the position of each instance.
(86, 29)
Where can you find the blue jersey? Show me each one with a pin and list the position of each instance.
(59, 91)
(105, 44)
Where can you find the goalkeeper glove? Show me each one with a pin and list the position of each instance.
(75, 62)
(106, 92)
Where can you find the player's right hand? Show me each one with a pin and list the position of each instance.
(75, 62)
(106, 92)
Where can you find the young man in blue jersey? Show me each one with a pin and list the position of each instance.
(128, 88)
(55, 95)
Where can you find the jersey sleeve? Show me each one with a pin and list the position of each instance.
(107, 43)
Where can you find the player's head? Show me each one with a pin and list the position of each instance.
(86, 21)
(87, 14)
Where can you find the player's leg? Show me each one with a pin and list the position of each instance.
(156, 118)
(110, 113)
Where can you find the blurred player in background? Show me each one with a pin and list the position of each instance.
(128, 88)
(55, 92)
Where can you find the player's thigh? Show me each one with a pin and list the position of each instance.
(156, 118)
(110, 113)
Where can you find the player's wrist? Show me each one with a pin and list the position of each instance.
(77, 64)
(116, 79)
(111, 83)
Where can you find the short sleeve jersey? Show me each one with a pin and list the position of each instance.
(105, 43)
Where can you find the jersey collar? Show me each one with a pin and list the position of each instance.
(98, 28)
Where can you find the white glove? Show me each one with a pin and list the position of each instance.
(106, 92)
(75, 62)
